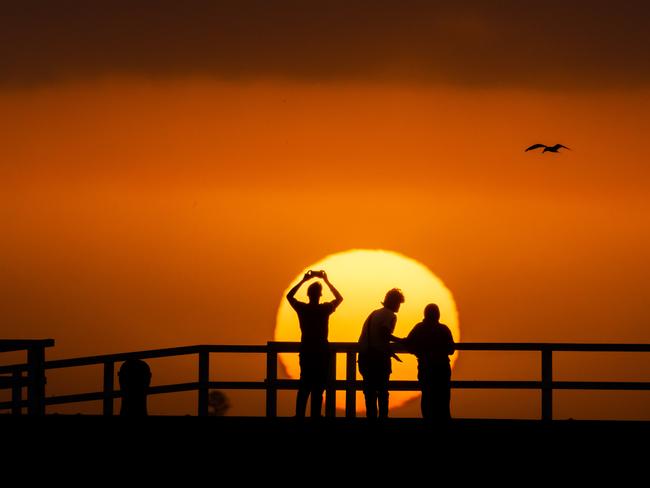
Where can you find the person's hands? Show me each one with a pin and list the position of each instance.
(307, 276)
(324, 276)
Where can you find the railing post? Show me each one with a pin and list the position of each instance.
(16, 392)
(204, 382)
(350, 380)
(36, 376)
(109, 385)
(271, 377)
(330, 394)
(547, 383)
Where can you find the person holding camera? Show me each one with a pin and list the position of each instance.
(314, 347)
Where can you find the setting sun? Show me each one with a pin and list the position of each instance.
(363, 277)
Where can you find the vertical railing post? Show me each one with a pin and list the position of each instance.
(547, 383)
(271, 378)
(330, 394)
(109, 386)
(16, 392)
(204, 382)
(350, 381)
(36, 380)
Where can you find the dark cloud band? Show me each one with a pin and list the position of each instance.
(530, 44)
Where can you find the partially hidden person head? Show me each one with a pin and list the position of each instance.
(314, 292)
(393, 299)
(135, 378)
(432, 313)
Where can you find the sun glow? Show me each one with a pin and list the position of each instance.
(363, 277)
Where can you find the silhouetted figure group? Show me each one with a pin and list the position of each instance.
(430, 341)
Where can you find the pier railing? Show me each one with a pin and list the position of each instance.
(12, 375)
(29, 376)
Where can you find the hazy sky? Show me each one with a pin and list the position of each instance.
(472, 43)
(167, 168)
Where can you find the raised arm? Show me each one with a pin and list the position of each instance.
(291, 295)
(338, 298)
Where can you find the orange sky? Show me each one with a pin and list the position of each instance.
(142, 214)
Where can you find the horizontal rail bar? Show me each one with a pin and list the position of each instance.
(262, 349)
(414, 385)
(98, 395)
(8, 383)
(151, 354)
(238, 385)
(601, 385)
(486, 346)
(148, 354)
(339, 347)
(342, 385)
(8, 345)
(571, 347)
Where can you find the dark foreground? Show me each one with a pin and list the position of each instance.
(259, 430)
(254, 446)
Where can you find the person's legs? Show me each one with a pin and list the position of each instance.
(304, 387)
(441, 394)
(316, 401)
(445, 399)
(426, 402)
(382, 397)
(320, 371)
(371, 403)
(301, 400)
(370, 396)
(383, 377)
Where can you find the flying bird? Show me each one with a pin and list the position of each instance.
(553, 149)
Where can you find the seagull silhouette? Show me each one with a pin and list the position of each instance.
(553, 149)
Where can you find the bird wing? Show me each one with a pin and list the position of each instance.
(559, 146)
(535, 146)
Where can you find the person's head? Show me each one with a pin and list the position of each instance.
(314, 292)
(393, 299)
(432, 313)
(134, 374)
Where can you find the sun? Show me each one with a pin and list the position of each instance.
(363, 277)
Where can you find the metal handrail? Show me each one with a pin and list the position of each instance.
(272, 384)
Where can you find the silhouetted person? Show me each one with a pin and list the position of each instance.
(375, 353)
(314, 346)
(135, 378)
(432, 343)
